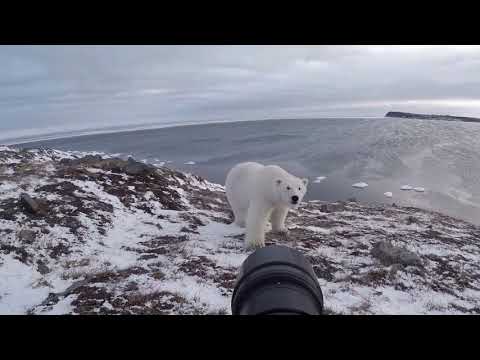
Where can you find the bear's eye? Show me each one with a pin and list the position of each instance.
(299, 188)
(288, 187)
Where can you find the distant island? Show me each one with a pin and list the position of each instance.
(405, 115)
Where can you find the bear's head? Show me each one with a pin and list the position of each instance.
(290, 192)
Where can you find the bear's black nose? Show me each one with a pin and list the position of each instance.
(295, 198)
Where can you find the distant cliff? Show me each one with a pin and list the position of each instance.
(397, 114)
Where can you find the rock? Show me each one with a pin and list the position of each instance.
(137, 168)
(30, 204)
(114, 165)
(42, 268)
(91, 158)
(352, 199)
(411, 220)
(323, 273)
(388, 254)
(333, 207)
(131, 286)
(26, 236)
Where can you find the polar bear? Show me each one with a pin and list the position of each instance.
(256, 193)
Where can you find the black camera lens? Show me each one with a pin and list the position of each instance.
(277, 280)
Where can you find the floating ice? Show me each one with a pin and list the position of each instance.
(190, 163)
(419, 189)
(388, 194)
(360, 185)
(319, 179)
(406, 187)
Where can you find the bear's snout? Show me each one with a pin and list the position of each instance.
(294, 199)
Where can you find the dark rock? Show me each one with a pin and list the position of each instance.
(89, 159)
(323, 273)
(411, 220)
(86, 160)
(30, 204)
(388, 254)
(42, 268)
(137, 168)
(26, 236)
(114, 165)
(131, 286)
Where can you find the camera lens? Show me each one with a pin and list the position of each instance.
(277, 280)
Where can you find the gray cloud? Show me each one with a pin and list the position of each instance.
(63, 88)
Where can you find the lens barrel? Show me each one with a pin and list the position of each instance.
(277, 280)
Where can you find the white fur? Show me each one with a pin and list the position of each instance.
(257, 193)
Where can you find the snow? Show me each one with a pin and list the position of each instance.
(388, 194)
(318, 229)
(19, 289)
(94, 170)
(360, 185)
(8, 171)
(64, 306)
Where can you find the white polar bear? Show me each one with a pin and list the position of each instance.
(256, 193)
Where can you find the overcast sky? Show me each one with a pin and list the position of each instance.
(58, 88)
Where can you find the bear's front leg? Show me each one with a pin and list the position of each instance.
(257, 217)
(278, 217)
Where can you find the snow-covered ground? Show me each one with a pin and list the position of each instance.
(114, 237)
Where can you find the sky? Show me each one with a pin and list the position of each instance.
(51, 89)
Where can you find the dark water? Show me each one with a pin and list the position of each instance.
(443, 157)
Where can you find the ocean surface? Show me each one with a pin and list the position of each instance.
(386, 153)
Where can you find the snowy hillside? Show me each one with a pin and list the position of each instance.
(94, 234)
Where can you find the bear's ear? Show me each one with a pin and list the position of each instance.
(278, 182)
(305, 181)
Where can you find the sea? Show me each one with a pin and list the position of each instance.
(441, 159)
